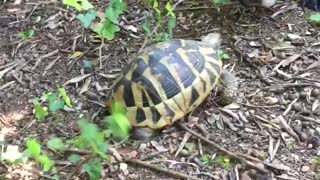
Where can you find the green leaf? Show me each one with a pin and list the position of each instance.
(163, 36)
(26, 34)
(65, 97)
(46, 162)
(219, 2)
(74, 158)
(73, 3)
(107, 133)
(171, 25)
(159, 14)
(11, 154)
(115, 8)
(55, 144)
(94, 169)
(80, 5)
(109, 29)
(147, 24)
(55, 104)
(119, 125)
(79, 142)
(102, 147)
(147, 1)
(223, 56)
(315, 18)
(97, 27)
(118, 108)
(87, 64)
(170, 9)
(86, 5)
(34, 148)
(89, 131)
(76, 54)
(87, 18)
(40, 112)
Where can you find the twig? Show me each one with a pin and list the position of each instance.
(23, 129)
(78, 167)
(148, 156)
(43, 57)
(260, 106)
(35, 7)
(184, 141)
(245, 58)
(157, 168)
(290, 107)
(305, 118)
(229, 153)
(285, 86)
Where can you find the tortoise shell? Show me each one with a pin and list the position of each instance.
(166, 81)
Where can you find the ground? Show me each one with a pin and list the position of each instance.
(276, 117)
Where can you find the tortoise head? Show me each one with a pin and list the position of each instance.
(212, 39)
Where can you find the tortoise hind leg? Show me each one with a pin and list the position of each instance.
(143, 133)
(228, 88)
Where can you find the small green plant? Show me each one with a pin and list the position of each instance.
(28, 34)
(223, 55)
(91, 138)
(224, 162)
(316, 164)
(314, 18)
(118, 122)
(34, 149)
(107, 25)
(55, 102)
(206, 160)
(220, 161)
(163, 15)
(219, 3)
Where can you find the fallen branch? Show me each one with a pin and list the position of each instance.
(229, 153)
(157, 168)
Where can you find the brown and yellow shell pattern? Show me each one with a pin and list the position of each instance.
(166, 81)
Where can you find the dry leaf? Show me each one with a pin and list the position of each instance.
(287, 61)
(158, 146)
(315, 105)
(77, 79)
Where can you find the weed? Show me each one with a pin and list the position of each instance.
(91, 138)
(107, 25)
(314, 18)
(220, 161)
(28, 34)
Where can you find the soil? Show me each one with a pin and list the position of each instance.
(273, 52)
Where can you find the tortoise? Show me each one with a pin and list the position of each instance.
(168, 80)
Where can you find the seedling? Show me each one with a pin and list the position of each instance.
(314, 18)
(28, 34)
(107, 25)
(55, 102)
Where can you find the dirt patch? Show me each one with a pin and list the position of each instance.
(275, 103)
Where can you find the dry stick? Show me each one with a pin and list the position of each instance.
(229, 153)
(289, 85)
(244, 57)
(157, 168)
(78, 167)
